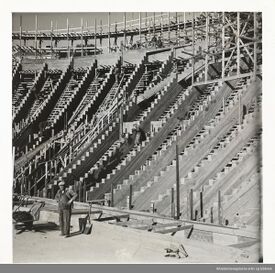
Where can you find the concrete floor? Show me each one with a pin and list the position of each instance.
(114, 244)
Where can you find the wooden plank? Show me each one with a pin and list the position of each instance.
(85, 211)
(114, 217)
(174, 230)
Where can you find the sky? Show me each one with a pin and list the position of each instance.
(59, 20)
(44, 19)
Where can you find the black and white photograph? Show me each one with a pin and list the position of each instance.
(137, 137)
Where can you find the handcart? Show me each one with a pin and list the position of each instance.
(23, 218)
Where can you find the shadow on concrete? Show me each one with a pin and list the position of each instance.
(41, 227)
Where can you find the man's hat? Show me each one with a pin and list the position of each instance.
(61, 183)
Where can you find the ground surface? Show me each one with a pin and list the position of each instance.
(114, 244)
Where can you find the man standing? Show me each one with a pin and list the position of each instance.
(65, 198)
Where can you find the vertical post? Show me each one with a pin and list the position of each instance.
(81, 37)
(130, 197)
(191, 204)
(35, 186)
(100, 33)
(223, 105)
(161, 25)
(193, 48)
(184, 23)
(219, 208)
(140, 27)
(79, 191)
(121, 121)
(56, 31)
(176, 17)
(211, 215)
(20, 30)
(46, 179)
(112, 195)
(154, 24)
(124, 19)
(206, 47)
(177, 183)
(109, 33)
(201, 203)
(95, 37)
(68, 42)
(51, 36)
(238, 43)
(169, 22)
(29, 187)
(223, 52)
(255, 44)
(240, 109)
(84, 191)
(36, 27)
(172, 203)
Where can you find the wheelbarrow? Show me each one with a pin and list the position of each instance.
(23, 219)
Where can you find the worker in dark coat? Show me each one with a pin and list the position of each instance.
(65, 198)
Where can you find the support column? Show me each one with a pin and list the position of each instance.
(154, 24)
(223, 52)
(140, 27)
(95, 37)
(169, 22)
(219, 208)
(201, 203)
(177, 183)
(191, 204)
(130, 197)
(46, 179)
(68, 41)
(81, 37)
(112, 195)
(172, 204)
(176, 17)
(121, 121)
(124, 19)
(255, 44)
(240, 110)
(84, 191)
(20, 31)
(36, 27)
(206, 47)
(238, 43)
(51, 36)
(193, 48)
(101, 30)
(211, 215)
(109, 33)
